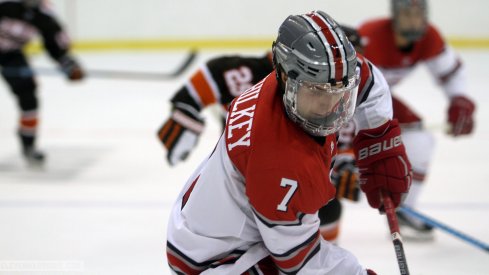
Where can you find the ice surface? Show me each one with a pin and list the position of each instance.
(101, 203)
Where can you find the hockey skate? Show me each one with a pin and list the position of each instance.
(33, 157)
(413, 229)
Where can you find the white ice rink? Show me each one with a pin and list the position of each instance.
(101, 204)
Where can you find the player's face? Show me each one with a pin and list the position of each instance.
(411, 19)
(315, 102)
(320, 108)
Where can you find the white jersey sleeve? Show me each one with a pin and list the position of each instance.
(308, 246)
(449, 71)
(375, 107)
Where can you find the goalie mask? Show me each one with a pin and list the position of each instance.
(410, 18)
(318, 64)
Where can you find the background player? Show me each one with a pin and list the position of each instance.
(253, 204)
(20, 21)
(218, 81)
(396, 45)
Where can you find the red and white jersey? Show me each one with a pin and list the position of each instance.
(258, 194)
(379, 47)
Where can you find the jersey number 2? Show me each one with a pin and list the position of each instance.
(293, 186)
(238, 80)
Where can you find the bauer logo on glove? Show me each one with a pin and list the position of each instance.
(383, 163)
(378, 147)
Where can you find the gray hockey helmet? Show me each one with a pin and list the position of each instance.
(313, 47)
(314, 53)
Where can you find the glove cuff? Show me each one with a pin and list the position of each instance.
(462, 102)
(181, 117)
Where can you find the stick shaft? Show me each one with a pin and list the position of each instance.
(450, 230)
(396, 236)
(116, 74)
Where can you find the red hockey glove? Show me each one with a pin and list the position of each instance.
(179, 134)
(460, 116)
(71, 68)
(383, 164)
(371, 272)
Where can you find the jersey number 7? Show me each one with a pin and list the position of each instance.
(293, 186)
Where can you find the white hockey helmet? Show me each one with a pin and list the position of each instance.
(319, 63)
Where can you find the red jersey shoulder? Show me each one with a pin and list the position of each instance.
(379, 26)
(286, 171)
(378, 40)
(380, 47)
(432, 43)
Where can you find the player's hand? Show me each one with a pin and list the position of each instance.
(345, 177)
(460, 116)
(382, 162)
(71, 68)
(371, 272)
(179, 135)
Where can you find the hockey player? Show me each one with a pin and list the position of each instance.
(252, 206)
(219, 81)
(20, 21)
(396, 45)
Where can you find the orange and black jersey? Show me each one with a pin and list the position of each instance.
(19, 24)
(222, 79)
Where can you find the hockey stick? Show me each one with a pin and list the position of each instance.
(444, 227)
(129, 75)
(396, 236)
